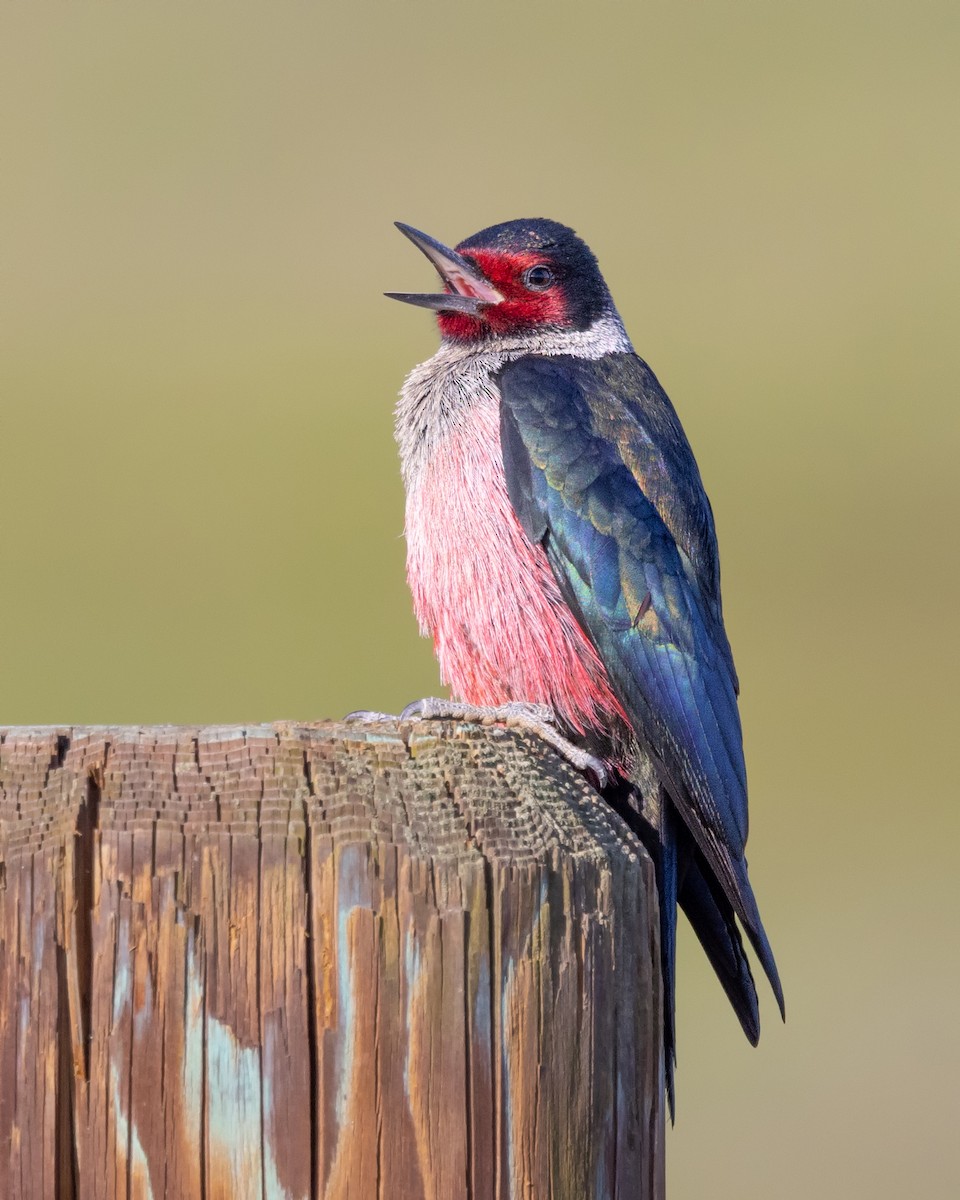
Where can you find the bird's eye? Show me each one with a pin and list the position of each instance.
(537, 279)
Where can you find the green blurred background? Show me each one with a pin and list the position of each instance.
(201, 508)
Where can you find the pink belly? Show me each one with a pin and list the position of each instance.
(500, 626)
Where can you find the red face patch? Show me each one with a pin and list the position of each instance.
(522, 307)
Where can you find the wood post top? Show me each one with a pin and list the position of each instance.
(443, 789)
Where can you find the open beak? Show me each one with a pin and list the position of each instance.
(469, 291)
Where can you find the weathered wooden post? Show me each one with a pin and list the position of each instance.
(324, 961)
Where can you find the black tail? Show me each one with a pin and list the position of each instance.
(710, 913)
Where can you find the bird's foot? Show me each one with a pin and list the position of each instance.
(539, 719)
(433, 708)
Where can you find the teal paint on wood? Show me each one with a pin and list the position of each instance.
(193, 1062)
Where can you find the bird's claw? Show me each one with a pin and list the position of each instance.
(368, 716)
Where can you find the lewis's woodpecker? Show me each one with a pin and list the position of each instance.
(561, 553)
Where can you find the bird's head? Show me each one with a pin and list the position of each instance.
(511, 279)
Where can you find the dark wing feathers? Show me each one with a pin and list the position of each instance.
(636, 415)
(599, 471)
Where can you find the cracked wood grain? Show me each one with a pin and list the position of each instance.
(321, 962)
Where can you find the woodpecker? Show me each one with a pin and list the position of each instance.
(561, 553)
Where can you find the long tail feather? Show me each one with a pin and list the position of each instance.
(710, 913)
